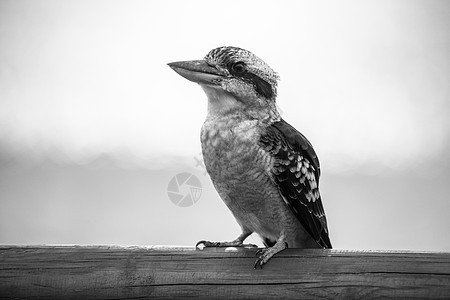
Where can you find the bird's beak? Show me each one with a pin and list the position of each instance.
(197, 71)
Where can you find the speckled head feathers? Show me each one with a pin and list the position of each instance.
(246, 66)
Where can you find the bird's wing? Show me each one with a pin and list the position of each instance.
(296, 173)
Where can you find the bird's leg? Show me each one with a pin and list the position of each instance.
(238, 242)
(267, 253)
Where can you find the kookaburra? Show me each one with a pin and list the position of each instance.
(265, 171)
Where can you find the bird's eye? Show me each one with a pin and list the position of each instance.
(238, 67)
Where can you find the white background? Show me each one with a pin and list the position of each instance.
(94, 124)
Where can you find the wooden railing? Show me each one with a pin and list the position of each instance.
(107, 272)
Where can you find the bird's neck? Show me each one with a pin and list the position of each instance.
(223, 104)
(220, 102)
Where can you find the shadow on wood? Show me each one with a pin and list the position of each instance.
(102, 272)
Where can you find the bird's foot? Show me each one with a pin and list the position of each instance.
(235, 243)
(266, 253)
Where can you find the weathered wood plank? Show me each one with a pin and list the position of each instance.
(102, 272)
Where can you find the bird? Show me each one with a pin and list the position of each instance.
(265, 171)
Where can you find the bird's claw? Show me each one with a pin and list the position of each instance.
(261, 251)
(266, 253)
(224, 244)
(259, 263)
(208, 244)
(262, 259)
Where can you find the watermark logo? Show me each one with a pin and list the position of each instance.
(199, 162)
(184, 189)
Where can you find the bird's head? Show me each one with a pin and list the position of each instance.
(234, 79)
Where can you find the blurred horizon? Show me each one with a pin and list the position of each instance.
(94, 124)
(101, 202)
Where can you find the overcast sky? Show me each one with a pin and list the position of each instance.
(88, 101)
(365, 81)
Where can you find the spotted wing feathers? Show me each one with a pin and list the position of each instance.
(296, 173)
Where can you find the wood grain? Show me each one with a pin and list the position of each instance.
(105, 272)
